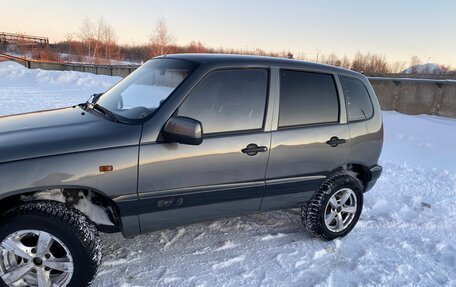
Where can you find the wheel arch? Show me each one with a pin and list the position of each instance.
(357, 169)
(76, 196)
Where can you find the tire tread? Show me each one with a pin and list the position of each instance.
(311, 210)
(83, 228)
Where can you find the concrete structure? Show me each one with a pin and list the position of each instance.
(117, 70)
(417, 96)
(448, 76)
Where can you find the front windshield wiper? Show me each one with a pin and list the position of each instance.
(107, 113)
(91, 100)
(94, 98)
(91, 104)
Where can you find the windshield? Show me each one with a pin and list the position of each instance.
(142, 92)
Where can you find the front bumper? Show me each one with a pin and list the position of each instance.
(376, 172)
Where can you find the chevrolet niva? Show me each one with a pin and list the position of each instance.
(183, 139)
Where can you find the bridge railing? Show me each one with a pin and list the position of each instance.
(21, 38)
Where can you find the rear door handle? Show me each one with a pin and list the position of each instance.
(335, 141)
(254, 149)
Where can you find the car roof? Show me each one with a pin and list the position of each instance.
(234, 59)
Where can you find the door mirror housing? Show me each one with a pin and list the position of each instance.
(183, 130)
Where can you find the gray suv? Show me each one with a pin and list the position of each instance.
(183, 139)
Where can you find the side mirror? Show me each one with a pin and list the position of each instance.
(183, 130)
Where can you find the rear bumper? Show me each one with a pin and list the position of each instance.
(376, 172)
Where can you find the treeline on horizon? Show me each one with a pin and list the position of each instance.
(97, 43)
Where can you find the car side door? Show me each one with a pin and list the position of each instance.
(224, 176)
(310, 138)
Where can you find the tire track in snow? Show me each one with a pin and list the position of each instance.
(228, 263)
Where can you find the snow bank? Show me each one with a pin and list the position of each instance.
(24, 90)
(429, 68)
(406, 235)
(14, 73)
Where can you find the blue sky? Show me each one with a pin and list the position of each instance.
(396, 29)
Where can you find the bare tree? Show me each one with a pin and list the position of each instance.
(414, 64)
(397, 67)
(161, 40)
(101, 40)
(98, 34)
(260, 52)
(377, 64)
(359, 63)
(69, 42)
(370, 63)
(196, 47)
(87, 33)
(108, 39)
(332, 59)
(345, 63)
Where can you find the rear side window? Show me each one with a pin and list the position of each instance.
(229, 101)
(359, 105)
(307, 98)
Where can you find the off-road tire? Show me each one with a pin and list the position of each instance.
(71, 226)
(313, 212)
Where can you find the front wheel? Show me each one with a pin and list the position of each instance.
(47, 243)
(335, 207)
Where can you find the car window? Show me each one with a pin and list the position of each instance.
(228, 100)
(152, 88)
(307, 98)
(359, 104)
(143, 91)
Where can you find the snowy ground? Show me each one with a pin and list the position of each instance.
(23, 90)
(406, 235)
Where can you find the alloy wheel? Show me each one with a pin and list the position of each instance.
(340, 210)
(35, 258)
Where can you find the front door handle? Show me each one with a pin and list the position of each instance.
(335, 141)
(254, 149)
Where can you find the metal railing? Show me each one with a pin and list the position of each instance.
(21, 39)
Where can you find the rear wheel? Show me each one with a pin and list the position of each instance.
(47, 243)
(335, 208)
